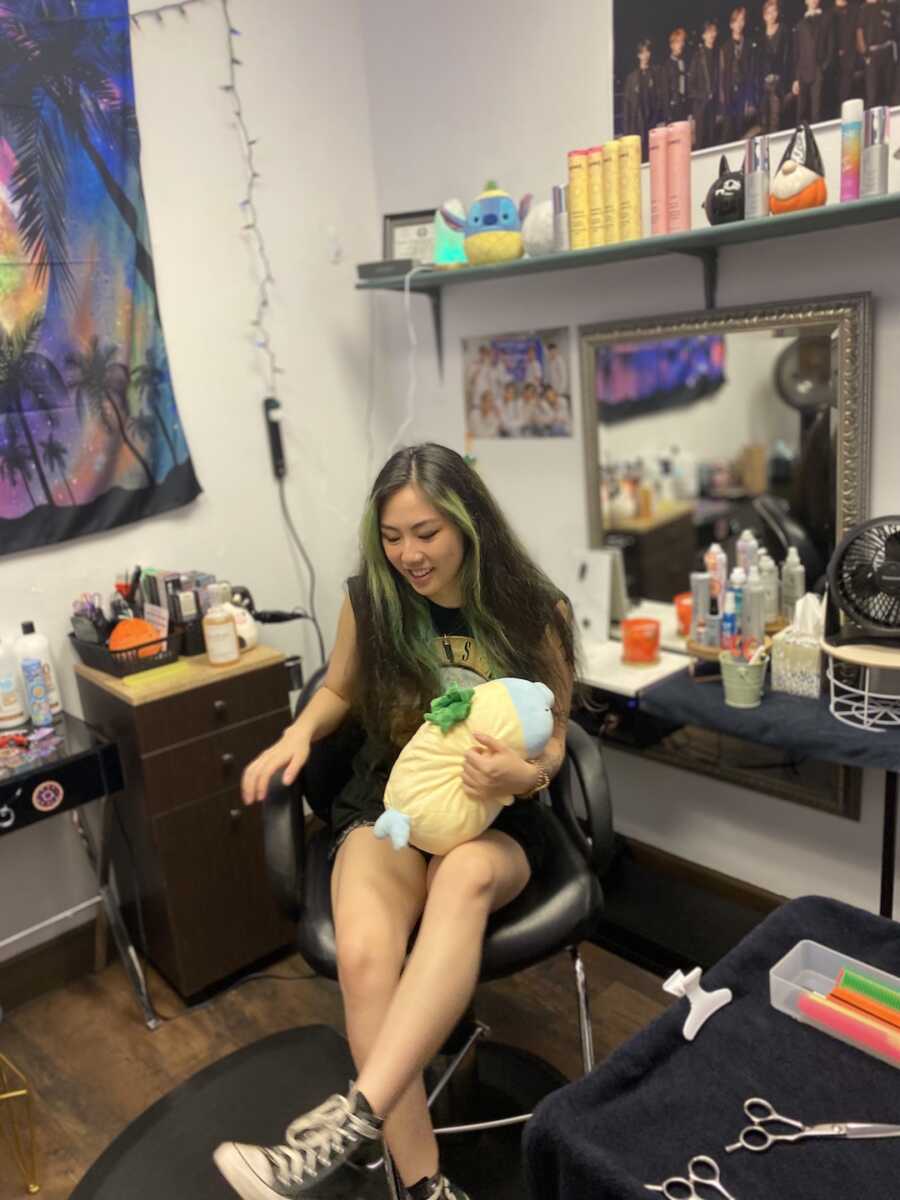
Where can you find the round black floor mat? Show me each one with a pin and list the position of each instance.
(251, 1096)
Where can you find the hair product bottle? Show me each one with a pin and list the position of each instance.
(678, 176)
(596, 196)
(876, 153)
(851, 147)
(756, 177)
(560, 218)
(768, 572)
(611, 192)
(793, 582)
(219, 628)
(579, 205)
(659, 175)
(12, 708)
(35, 646)
(631, 222)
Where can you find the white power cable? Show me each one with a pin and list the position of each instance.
(413, 347)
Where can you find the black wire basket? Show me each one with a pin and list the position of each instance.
(120, 663)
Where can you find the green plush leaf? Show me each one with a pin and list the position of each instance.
(451, 708)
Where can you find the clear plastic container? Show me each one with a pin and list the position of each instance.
(811, 968)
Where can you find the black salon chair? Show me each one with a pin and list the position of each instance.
(558, 909)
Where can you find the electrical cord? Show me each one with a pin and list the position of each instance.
(311, 571)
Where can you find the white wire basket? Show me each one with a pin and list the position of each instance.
(862, 679)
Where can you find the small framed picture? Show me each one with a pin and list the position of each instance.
(410, 235)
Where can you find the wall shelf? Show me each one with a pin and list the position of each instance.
(702, 244)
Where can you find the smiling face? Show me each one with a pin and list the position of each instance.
(423, 546)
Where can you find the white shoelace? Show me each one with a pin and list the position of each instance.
(314, 1140)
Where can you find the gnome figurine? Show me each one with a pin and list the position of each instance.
(800, 180)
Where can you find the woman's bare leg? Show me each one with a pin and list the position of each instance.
(378, 894)
(465, 886)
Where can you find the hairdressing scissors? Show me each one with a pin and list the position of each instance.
(702, 1172)
(757, 1137)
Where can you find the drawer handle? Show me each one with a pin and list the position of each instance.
(228, 761)
(220, 708)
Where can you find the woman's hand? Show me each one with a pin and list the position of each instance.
(291, 752)
(492, 771)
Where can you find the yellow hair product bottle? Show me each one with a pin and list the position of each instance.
(579, 205)
(631, 225)
(596, 196)
(611, 192)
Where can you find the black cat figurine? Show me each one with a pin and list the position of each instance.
(725, 199)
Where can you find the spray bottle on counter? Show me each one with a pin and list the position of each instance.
(793, 582)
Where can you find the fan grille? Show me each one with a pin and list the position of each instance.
(862, 591)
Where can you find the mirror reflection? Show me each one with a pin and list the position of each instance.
(707, 439)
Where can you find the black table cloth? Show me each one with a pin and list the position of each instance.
(789, 722)
(659, 1100)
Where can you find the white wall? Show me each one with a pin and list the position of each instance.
(511, 99)
(317, 178)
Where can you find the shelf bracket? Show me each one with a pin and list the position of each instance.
(709, 256)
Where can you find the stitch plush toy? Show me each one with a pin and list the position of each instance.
(492, 226)
(426, 804)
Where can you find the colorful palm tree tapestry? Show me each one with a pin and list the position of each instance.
(90, 436)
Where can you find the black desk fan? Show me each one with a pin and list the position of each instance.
(863, 652)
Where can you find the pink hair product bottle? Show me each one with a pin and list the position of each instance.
(659, 176)
(678, 171)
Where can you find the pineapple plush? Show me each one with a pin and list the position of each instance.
(425, 802)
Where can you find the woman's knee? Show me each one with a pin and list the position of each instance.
(370, 957)
(468, 873)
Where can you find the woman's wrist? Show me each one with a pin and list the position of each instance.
(539, 779)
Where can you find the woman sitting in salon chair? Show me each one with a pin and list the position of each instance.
(444, 592)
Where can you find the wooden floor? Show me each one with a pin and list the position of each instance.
(94, 1067)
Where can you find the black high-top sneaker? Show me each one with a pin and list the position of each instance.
(316, 1145)
(438, 1187)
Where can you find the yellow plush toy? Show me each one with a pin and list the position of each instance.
(425, 802)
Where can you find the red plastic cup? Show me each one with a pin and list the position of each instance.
(684, 605)
(640, 641)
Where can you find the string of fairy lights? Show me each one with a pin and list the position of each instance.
(262, 333)
(252, 227)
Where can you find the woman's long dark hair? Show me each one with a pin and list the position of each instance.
(510, 606)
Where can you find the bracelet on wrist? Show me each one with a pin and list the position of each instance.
(543, 781)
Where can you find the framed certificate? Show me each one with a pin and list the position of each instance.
(410, 235)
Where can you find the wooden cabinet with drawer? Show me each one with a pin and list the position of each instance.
(188, 855)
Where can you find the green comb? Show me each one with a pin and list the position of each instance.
(861, 984)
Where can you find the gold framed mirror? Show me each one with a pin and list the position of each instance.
(697, 426)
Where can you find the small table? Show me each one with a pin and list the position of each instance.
(791, 722)
(79, 768)
(658, 1100)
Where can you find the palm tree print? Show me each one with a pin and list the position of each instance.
(101, 388)
(150, 379)
(58, 80)
(14, 461)
(55, 455)
(25, 374)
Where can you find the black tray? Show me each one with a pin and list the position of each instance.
(130, 661)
